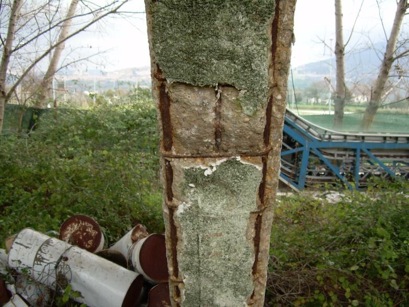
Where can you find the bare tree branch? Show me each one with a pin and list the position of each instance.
(28, 30)
(111, 10)
(354, 24)
(381, 20)
(48, 50)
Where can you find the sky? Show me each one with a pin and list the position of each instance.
(127, 42)
(315, 24)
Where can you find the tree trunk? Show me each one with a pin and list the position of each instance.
(2, 111)
(46, 86)
(5, 58)
(388, 59)
(340, 92)
(219, 78)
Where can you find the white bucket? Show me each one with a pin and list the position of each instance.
(125, 244)
(52, 262)
(16, 301)
(148, 257)
(3, 262)
(113, 256)
(36, 255)
(33, 292)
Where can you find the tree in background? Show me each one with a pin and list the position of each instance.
(43, 92)
(341, 89)
(379, 89)
(27, 38)
(341, 92)
(7, 46)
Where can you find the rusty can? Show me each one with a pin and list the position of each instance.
(148, 257)
(82, 231)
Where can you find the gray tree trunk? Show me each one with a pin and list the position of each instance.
(340, 91)
(219, 78)
(378, 89)
(5, 58)
(46, 86)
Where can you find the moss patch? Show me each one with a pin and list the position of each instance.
(205, 43)
(217, 254)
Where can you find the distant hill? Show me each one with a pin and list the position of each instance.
(100, 80)
(360, 65)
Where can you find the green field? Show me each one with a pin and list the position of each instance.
(388, 122)
(384, 122)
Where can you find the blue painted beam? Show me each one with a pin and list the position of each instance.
(307, 140)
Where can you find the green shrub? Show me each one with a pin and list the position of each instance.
(101, 162)
(354, 252)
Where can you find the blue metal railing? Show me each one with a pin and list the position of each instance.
(314, 155)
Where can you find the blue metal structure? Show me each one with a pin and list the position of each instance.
(313, 156)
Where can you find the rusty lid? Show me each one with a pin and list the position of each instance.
(152, 258)
(134, 295)
(9, 242)
(5, 294)
(82, 231)
(139, 232)
(159, 296)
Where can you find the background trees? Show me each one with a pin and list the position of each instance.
(391, 55)
(340, 91)
(380, 87)
(31, 32)
(46, 84)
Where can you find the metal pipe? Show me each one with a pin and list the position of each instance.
(125, 244)
(145, 253)
(58, 264)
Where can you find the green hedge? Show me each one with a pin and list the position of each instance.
(352, 253)
(104, 163)
(19, 118)
(101, 162)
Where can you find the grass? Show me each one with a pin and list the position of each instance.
(384, 122)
